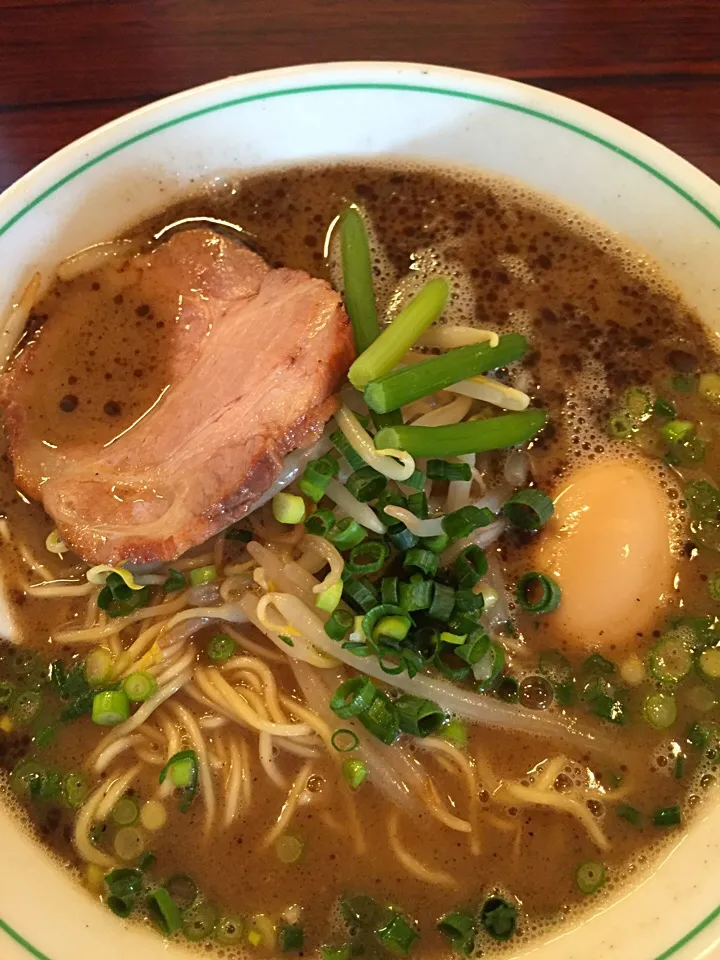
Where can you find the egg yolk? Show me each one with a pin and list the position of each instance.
(608, 546)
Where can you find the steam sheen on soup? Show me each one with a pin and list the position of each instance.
(457, 680)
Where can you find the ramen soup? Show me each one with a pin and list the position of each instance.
(393, 634)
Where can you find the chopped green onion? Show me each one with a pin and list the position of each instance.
(98, 666)
(346, 450)
(75, 788)
(397, 935)
(329, 598)
(713, 587)
(401, 538)
(667, 817)
(637, 402)
(7, 691)
(317, 476)
(679, 766)
(463, 521)
(163, 911)
(366, 484)
(330, 952)
(528, 509)
(229, 930)
(487, 669)
(418, 716)
(220, 648)
(443, 601)
(394, 627)
(508, 690)
(390, 391)
(339, 624)
(417, 478)
(381, 719)
(200, 575)
(288, 641)
(456, 732)
(110, 707)
(125, 812)
(199, 921)
(384, 353)
(26, 779)
(437, 544)
(358, 293)
(346, 533)
(291, 937)
(538, 593)
(423, 560)
(125, 882)
(344, 741)
(468, 603)
(590, 877)
(472, 436)
(354, 772)
(117, 599)
(447, 470)
(459, 928)
(320, 522)
(418, 504)
(471, 566)
(660, 710)
(353, 697)
(675, 431)
(555, 667)
(629, 813)
(360, 592)
(709, 387)
(139, 686)
(417, 595)
(176, 581)
(26, 707)
(359, 911)
(182, 768)
(182, 889)
(671, 658)
(287, 508)
(708, 663)
(368, 557)
(664, 408)
(120, 907)
(389, 590)
(499, 918)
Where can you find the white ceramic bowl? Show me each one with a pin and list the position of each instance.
(90, 190)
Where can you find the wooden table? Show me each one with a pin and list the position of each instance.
(67, 66)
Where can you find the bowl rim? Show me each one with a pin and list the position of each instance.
(71, 161)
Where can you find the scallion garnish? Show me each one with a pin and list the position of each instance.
(437, 544)
(317, 476)
(199, 921)
(346, 533)
(26, 707)
(417, 478)
(418, 504)
(538, 593)
(381, 718)
(667, 817)
(425, 561)
(320, 522)
(463, 521)
(175, 580)
(459, 928)
(117, 599)
(353, 697)
(139, 686)
(200, 575)
(182, 768)
(110, 707)
(472, 436)
(75, 789)
(358, 291)
(629, 813)
(401, 537)
(418, 716)
(354, 772)
(288, 508)
(394, 390)
(368, 557)
(329, 598)
(660, 710)
(528, 509)
(291, 937)
(589, 877)
(416, 595)
(388, 349)
(471, 566)
(220, 648)
(499, 918)
(344, 740)
(397, 935)
(366, 484)
(448, 470)
(389, 590)
(346, 450)
(443, 601)
(360, 592)
(339, 624)
(164, 912)
(125, 812)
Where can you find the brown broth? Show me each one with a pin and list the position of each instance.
(598, 322)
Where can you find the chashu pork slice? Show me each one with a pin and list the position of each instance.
(252, 357)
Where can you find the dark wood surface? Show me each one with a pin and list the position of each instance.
(67, 66)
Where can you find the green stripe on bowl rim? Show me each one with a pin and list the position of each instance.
(404, 88)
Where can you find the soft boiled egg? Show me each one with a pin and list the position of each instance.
(608, 546)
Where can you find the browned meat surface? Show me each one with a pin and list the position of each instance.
(246, 361)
